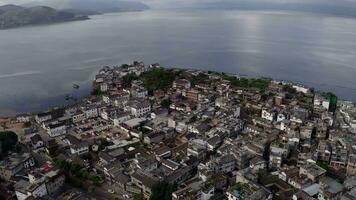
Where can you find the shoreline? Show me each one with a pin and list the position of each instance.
(80, 99)
(76, 19)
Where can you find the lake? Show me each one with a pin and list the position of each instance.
(40, 64)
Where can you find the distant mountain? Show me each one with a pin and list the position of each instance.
(329, 7)
(101, 6)
(9, 7)
(12, 16)
(82, 12)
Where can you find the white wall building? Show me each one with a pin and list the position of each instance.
(140, 109)
(321, 101)
(55, 130)
(207, 193)
(268, 115)
(91, 112)
(78, 117)
(121, 117)
(22, 190)
(300, 88)
(79, 149)
(42, 117)
(280, 117)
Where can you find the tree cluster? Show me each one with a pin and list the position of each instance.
(8, 141)
(163, 191)
(76, 175)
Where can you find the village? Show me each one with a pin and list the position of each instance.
(149, 132)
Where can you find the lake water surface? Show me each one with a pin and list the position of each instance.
(39, 64)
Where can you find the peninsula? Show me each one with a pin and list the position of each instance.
(12, 16)
(148, 132)
(35, 13)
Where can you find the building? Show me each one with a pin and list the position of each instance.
(213, 143)
(23, 118)
(109, 113)
(78, 116)
(207, 192)
(41, 182)
(144, 182)
(115, 176)
(278, 152)
(197, 151)
(170, 164)
(25, 189)
(42, 117)
(103, 87)
(56, 129)
(321, 130)
(286, 174)
(14, 163)
(138, 91)
(37, 142)
(322, 102)
(330, 189)
(90, 112)
(242, 157)
(140, 109)
(306, 131)
(121, 117)
(351, 165)
(323, 152)
(312, 171)
(338, 157)
(54, 183)
(248, 191)
(300, 88)
(223, 164)
(154, 137)
(77, 146)
(192, 95)
(188, 192)
(182, 84)
(268, 114)
(257, 163)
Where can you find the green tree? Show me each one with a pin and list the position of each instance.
(258, 83)
(125, 65)
(84, 173)
(332, 99)
(163, 191)
(97, 92)
(77, 176)
(201, 78)
(166, 103)
(159, 79)
(74, 182)
(323, 165)
(27, 124)
(138, 197)
(75, 169)
(95, 180)
(127, 80)
(289, 89)
(8, 140)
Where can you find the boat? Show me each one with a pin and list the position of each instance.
(75, 86)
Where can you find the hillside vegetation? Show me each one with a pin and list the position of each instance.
(101, 6)
(12, 16)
